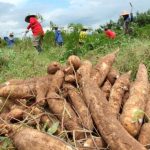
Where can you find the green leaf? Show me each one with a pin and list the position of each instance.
(53, 128)
(2, 138)
(45, 126)
(137, 115)
(6, 142)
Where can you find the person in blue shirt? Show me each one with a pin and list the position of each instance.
(10, 40)
(128, 18)
(58, 37)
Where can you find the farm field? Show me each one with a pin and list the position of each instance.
(77, 97)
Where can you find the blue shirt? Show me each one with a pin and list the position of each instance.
(58, 37)
(10, 41)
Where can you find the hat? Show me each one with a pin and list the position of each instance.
(124, 13)
(27, 18)
(84, 28)
(55, 27)
(11, 34)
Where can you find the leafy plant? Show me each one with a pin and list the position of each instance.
(53, 128)
(137, 115)
(6, 143)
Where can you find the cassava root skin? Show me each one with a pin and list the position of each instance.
(117, 92)
(80, 106)
(113, 75)
(62, 109)
(137, 101)
(144, 137)
(94, 142)
(106, 88)
(74, 61)
(30, 139)
(101, 70)
(53, 67)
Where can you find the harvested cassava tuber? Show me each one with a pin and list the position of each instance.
(106, 88)
(117, 92)
(70, 78)
(68, 70)
(85, 64)
(60, 107)
(131, 117)
(126, 95)
(31, 139)
(18, 91)
(102, 68)
(16, 113)
(42, 87)
(57, 81)
(6, 105)
(25, 89)
(110, 128)
(53, 67)
(144, 137)
(125, 98)
(80, 106)
(19, 81)
(94, 143)
(65, 114)
(113, 75)
(147, 110)
(74, 61)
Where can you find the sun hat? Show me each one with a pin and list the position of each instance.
(124, 13)
(27, 18)
(84, 28)
(55, 27)
(11, 34)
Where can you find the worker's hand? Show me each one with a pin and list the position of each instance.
(26, 31)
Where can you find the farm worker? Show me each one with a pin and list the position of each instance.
(37, 31)
(83, 35)
(127, 17)
(109, 33)
(10, 40)
(58, 37)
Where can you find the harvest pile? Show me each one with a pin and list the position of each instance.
(89, 107)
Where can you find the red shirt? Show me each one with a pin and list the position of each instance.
(35, 27)
(110, 34)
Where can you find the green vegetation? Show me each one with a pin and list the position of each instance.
(23, 61)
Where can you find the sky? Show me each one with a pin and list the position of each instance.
(90, 13)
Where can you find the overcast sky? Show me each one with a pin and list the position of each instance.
(91, 13)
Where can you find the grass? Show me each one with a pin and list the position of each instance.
(24, 62)
(131, 54)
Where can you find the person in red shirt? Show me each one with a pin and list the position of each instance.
(37, 31)
(109, 33)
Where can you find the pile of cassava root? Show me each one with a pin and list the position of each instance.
(85, 107)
